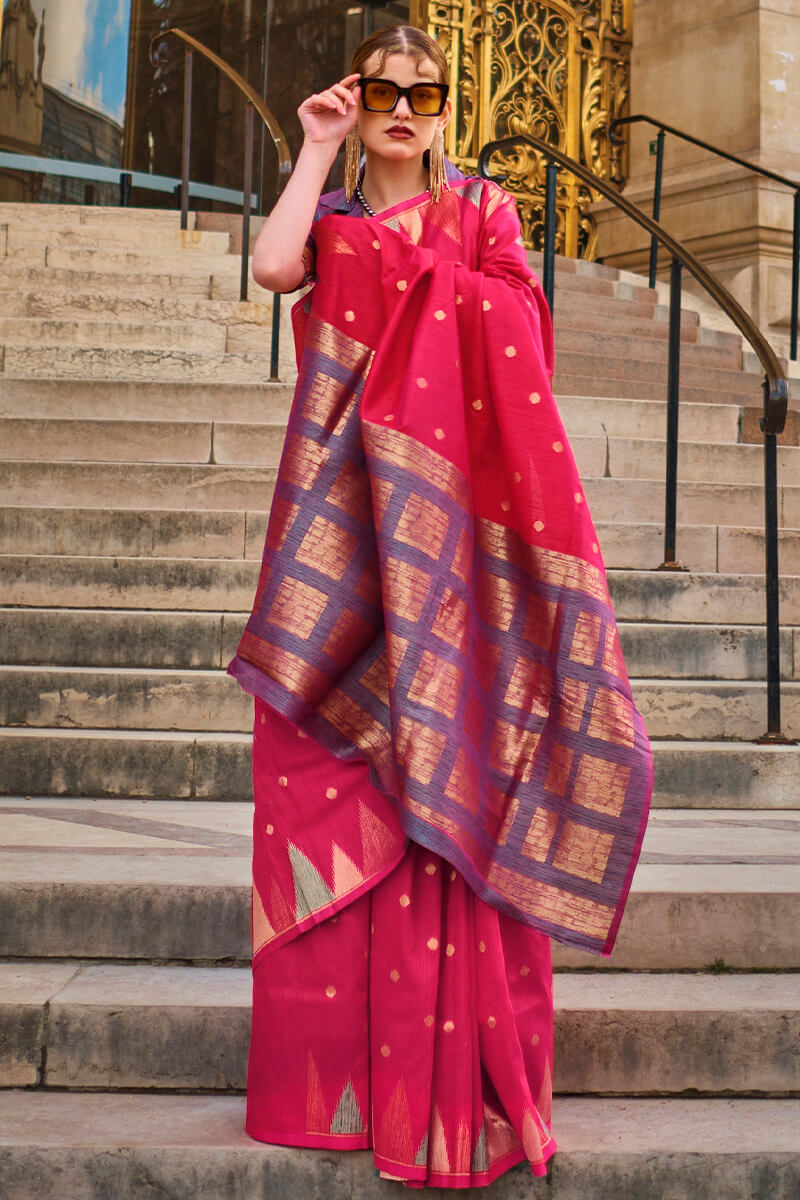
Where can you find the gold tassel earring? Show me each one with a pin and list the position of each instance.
(437, 174)
(352, 162)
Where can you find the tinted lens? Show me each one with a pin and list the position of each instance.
(379, 96)
(426, 101)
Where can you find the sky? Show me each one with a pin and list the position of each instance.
(86, 50)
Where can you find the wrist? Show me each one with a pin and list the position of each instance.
(323, 153)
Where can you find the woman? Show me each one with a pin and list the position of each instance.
(448, 766)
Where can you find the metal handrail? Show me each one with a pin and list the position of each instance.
(775, 386)
(253, 103)
(793, 184)
(62, 168)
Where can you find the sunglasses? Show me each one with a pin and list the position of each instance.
(424, 99)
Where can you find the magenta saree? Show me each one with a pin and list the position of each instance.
(432, 636)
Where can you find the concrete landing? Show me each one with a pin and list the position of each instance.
(94, 1147)
(155, 880)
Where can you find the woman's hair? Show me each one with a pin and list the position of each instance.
(400, 39)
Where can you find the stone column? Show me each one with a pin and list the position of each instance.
(727, 72)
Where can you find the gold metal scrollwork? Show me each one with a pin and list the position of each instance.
(556, 69)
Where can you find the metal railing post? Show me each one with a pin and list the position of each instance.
(125, 180)
(187, 136)
(247, 188)
(656, 206)
(670, 562)
(549, 270)
(276, 333)
(773, 733)
(795, 276)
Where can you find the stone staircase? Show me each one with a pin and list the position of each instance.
(138, 448)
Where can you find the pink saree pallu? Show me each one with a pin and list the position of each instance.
(448, 765)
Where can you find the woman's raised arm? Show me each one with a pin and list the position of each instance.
(326, 118)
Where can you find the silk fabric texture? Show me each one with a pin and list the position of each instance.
(432, 599)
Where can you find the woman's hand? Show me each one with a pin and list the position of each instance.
(328, 117)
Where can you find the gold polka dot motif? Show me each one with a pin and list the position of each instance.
(331, 793)
(440, 314)
(430, 869)
(524, 971)
(449, 1026)
(385, 1051)
(482, 947)
(402, 284)
(492, 1022)
(283, 781)
(534, 398)
(394, 976)
(270, 830)
(558, 447)
(330, 992)
(438, 434)
(477, 405)
(432, 943)
(349, 315)
(450, 950)
(422, 383)
(405, 901)
(538, 526)
(511, 351)
(429, 1020)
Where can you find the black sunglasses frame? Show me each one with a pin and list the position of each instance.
(442, 88)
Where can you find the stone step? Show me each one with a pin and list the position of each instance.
(640, 343)
(134, 485)
(22, 236)
(93, 399)
(97, 362)
(644, 458)
(221, 442)
(589, 417)
(213, 486)
(146, 698)
(70, 280)
(127, 879)
(706, 548)
(132, 258)
(575, 379)
(126, 1026)
(618, 500)
(259, 444)
(142, 308)
(192, 584)
(127, 638)
(119, 399)
(210, 534)
(634, 1148)
(89, 334)
(728, 384)
(199, 584)
(216, 766)
(207, 641)
(132, 221)
(146, 533)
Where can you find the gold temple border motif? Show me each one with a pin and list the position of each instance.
(559, 70)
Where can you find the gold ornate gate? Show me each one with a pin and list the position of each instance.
(559, 70)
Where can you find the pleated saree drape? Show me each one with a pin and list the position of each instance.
(448, 765)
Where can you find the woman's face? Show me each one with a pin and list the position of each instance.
(401, 134)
